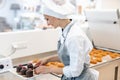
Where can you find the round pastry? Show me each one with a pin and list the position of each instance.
(30, 65)
(97, 55)
(35, 61)
(29, 73)
(55, 64)
(60, 65)
(93, 49)
(112, 55)
(104, 53)
(18, 68)
(52, 64)
(107, 52)
(91, 53)
(48, 64)
(99, 51)
(23, 71)
(93, 61)
(94, 52)
(99, 59)
(117, 54)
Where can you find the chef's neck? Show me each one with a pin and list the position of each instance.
(64, 23)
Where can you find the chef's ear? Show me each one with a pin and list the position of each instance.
(70, 19)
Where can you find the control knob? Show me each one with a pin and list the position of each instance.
(1, 66)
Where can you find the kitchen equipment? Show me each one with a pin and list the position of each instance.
(104, 27)
(5, 64)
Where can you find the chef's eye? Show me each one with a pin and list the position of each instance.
(46, 19)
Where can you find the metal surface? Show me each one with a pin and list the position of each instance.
(104, 28)
(116, 73)
(36, 77)
(104, 63)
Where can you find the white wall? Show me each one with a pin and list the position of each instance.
(110, 4)
(28, 42)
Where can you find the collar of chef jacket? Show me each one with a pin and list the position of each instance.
(65, 32)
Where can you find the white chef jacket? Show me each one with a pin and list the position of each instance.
(78, 46)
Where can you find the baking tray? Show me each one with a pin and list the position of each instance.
(50, 76)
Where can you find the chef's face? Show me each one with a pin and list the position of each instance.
(59, 2)
(52, 21)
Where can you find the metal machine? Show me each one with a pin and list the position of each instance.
(104, 26)
(104, 30)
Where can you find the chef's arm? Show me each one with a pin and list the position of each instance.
(48, 69)
(56, 70)
(46, 60)
(52, 58)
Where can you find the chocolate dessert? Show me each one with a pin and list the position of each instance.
(23, 71)
(18, 68)
(30, 65)
(29, 73)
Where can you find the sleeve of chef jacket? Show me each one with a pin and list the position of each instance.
(77, 55)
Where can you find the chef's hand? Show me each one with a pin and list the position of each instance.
(48, 69)
(41, 62)
(42, 69)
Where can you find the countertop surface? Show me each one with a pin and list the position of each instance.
(14, 76)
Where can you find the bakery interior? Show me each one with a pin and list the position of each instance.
(21, 19)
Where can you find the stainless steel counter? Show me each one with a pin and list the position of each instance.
(109, 70)
(12, 76)
(9, 76)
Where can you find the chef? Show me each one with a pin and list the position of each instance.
(73, 46)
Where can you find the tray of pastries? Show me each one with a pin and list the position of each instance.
(96, 56)
(99, 55)
(26, 71)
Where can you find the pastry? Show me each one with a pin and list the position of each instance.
(99, 59)
(93, 61)
(23, 71)
(18, 68)
(35, 61)
(29, 73)
(30, 65)
(55, 64)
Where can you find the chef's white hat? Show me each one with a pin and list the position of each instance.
(64, 11)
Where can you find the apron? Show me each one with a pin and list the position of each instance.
(64, 57)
